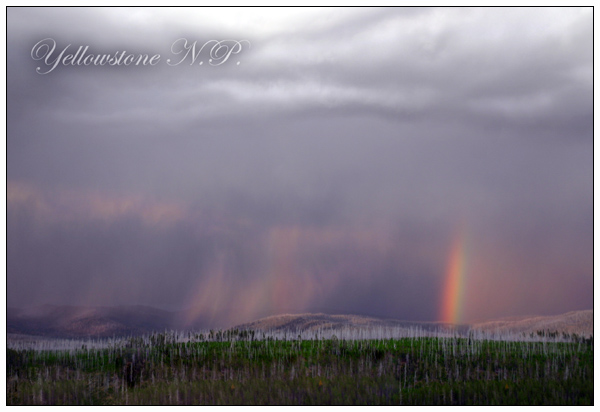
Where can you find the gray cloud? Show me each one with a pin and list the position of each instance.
(359, 141)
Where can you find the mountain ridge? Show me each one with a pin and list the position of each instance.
(108, 321)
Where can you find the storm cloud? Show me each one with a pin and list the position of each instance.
(330, 170)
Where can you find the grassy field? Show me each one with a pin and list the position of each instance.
(237, 369)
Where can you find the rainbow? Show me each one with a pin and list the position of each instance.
(452, 299)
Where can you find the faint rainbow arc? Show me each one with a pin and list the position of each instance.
(453, 295)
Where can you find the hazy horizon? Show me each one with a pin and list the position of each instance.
(128, 316)
(418, 164)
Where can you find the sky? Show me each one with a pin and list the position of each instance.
(426, 164)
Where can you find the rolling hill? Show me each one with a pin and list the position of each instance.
(578, 322)
(83, 322)
(80, 321)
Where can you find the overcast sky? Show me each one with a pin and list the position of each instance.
(330, 170)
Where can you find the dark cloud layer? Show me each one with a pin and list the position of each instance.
(330, 170)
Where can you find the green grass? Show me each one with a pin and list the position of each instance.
(414, 371)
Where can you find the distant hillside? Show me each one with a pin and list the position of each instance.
(578, 322)
(315, 321)
(79, 322)
(84, 322)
